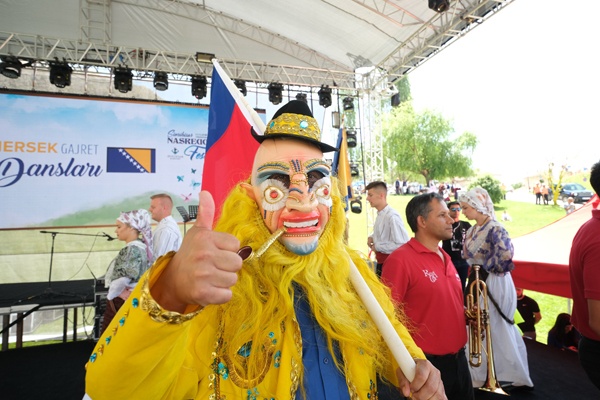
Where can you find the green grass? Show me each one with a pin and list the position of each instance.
(527, 217)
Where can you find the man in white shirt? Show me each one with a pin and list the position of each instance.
(389, 232)
(167, 236)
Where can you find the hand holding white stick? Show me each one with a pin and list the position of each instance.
(398, 349)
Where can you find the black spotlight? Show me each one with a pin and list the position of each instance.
(240, 84)
(199, 87)
(275, 92)
(356, 206)
(395, 101)
(60, 74)
(354, 171)
(301, 97)
(10, 67)
(161, 80)
(348, 104)
(351, 139)
(324, 96)
(123, 79)
(439, 5)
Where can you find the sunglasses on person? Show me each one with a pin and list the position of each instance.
(454, 208)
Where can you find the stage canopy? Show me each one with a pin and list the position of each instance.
(307, 42)
(542, 257)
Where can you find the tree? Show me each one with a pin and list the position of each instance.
(421, 143)
(492, 186)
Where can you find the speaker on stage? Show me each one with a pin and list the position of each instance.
(100, 293)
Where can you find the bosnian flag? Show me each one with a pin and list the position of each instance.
(230, 147)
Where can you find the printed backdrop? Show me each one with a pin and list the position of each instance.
(61, 155)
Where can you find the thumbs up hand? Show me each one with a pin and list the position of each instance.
(205, 267)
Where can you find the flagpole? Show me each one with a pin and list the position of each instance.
(390, 336)
(247, 110)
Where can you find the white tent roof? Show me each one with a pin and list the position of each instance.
(306, 42)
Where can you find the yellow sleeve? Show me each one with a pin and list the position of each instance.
(139, 358)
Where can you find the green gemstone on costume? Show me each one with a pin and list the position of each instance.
(107, 339)
(135, 303)
(122, 321)
(93, 357)
(303, 124)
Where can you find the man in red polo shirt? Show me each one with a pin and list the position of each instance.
(584, 267)
(424, 280)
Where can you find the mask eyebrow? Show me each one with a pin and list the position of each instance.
(274, 165)
(319, 165)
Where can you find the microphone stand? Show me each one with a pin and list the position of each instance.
(49, 292)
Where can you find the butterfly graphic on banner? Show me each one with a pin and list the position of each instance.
(186, 198)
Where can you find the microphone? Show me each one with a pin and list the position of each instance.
(108, 237)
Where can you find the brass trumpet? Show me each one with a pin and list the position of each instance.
(479, 322)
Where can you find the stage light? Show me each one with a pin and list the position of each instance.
(335, 119)
(204, 57)
(60, 74)
(351, 139)
(395, 100)
(161, 80)
(348, 104)
(439, 5)
(123, 79)
(325, 96)
(10, 67)
(354, 171)
(356, 205)
(301, 97)
(199, 87)
(240, 84)
(275, 92)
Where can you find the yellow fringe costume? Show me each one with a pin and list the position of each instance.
(250, 347)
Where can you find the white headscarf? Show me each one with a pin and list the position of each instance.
(140, 220)
(479, 199)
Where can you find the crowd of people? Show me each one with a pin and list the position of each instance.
(210, 319)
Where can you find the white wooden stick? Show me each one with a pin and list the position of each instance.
(398, 349)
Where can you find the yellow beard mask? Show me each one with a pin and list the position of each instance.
(264, 292)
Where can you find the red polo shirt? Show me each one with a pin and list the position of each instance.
(431, 292)
(584, 265)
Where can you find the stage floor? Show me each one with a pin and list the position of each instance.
(56, 372)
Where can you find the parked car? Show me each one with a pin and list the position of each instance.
(575, 190)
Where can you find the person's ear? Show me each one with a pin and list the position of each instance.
(249, 190)
(421, 222)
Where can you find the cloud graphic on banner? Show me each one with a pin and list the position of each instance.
(120, 159)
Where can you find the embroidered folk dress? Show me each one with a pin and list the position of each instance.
(182, 361)
(490, 247)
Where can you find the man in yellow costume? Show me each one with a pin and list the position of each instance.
(284, 324)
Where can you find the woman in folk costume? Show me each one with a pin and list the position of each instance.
(124, 271)
(488, 245)
(287, 324)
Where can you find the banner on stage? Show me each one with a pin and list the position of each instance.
(62, 157)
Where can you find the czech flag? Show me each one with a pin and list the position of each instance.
(230, 147)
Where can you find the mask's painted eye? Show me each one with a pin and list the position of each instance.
(322, 188)
(274, 194)
(313, 177)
